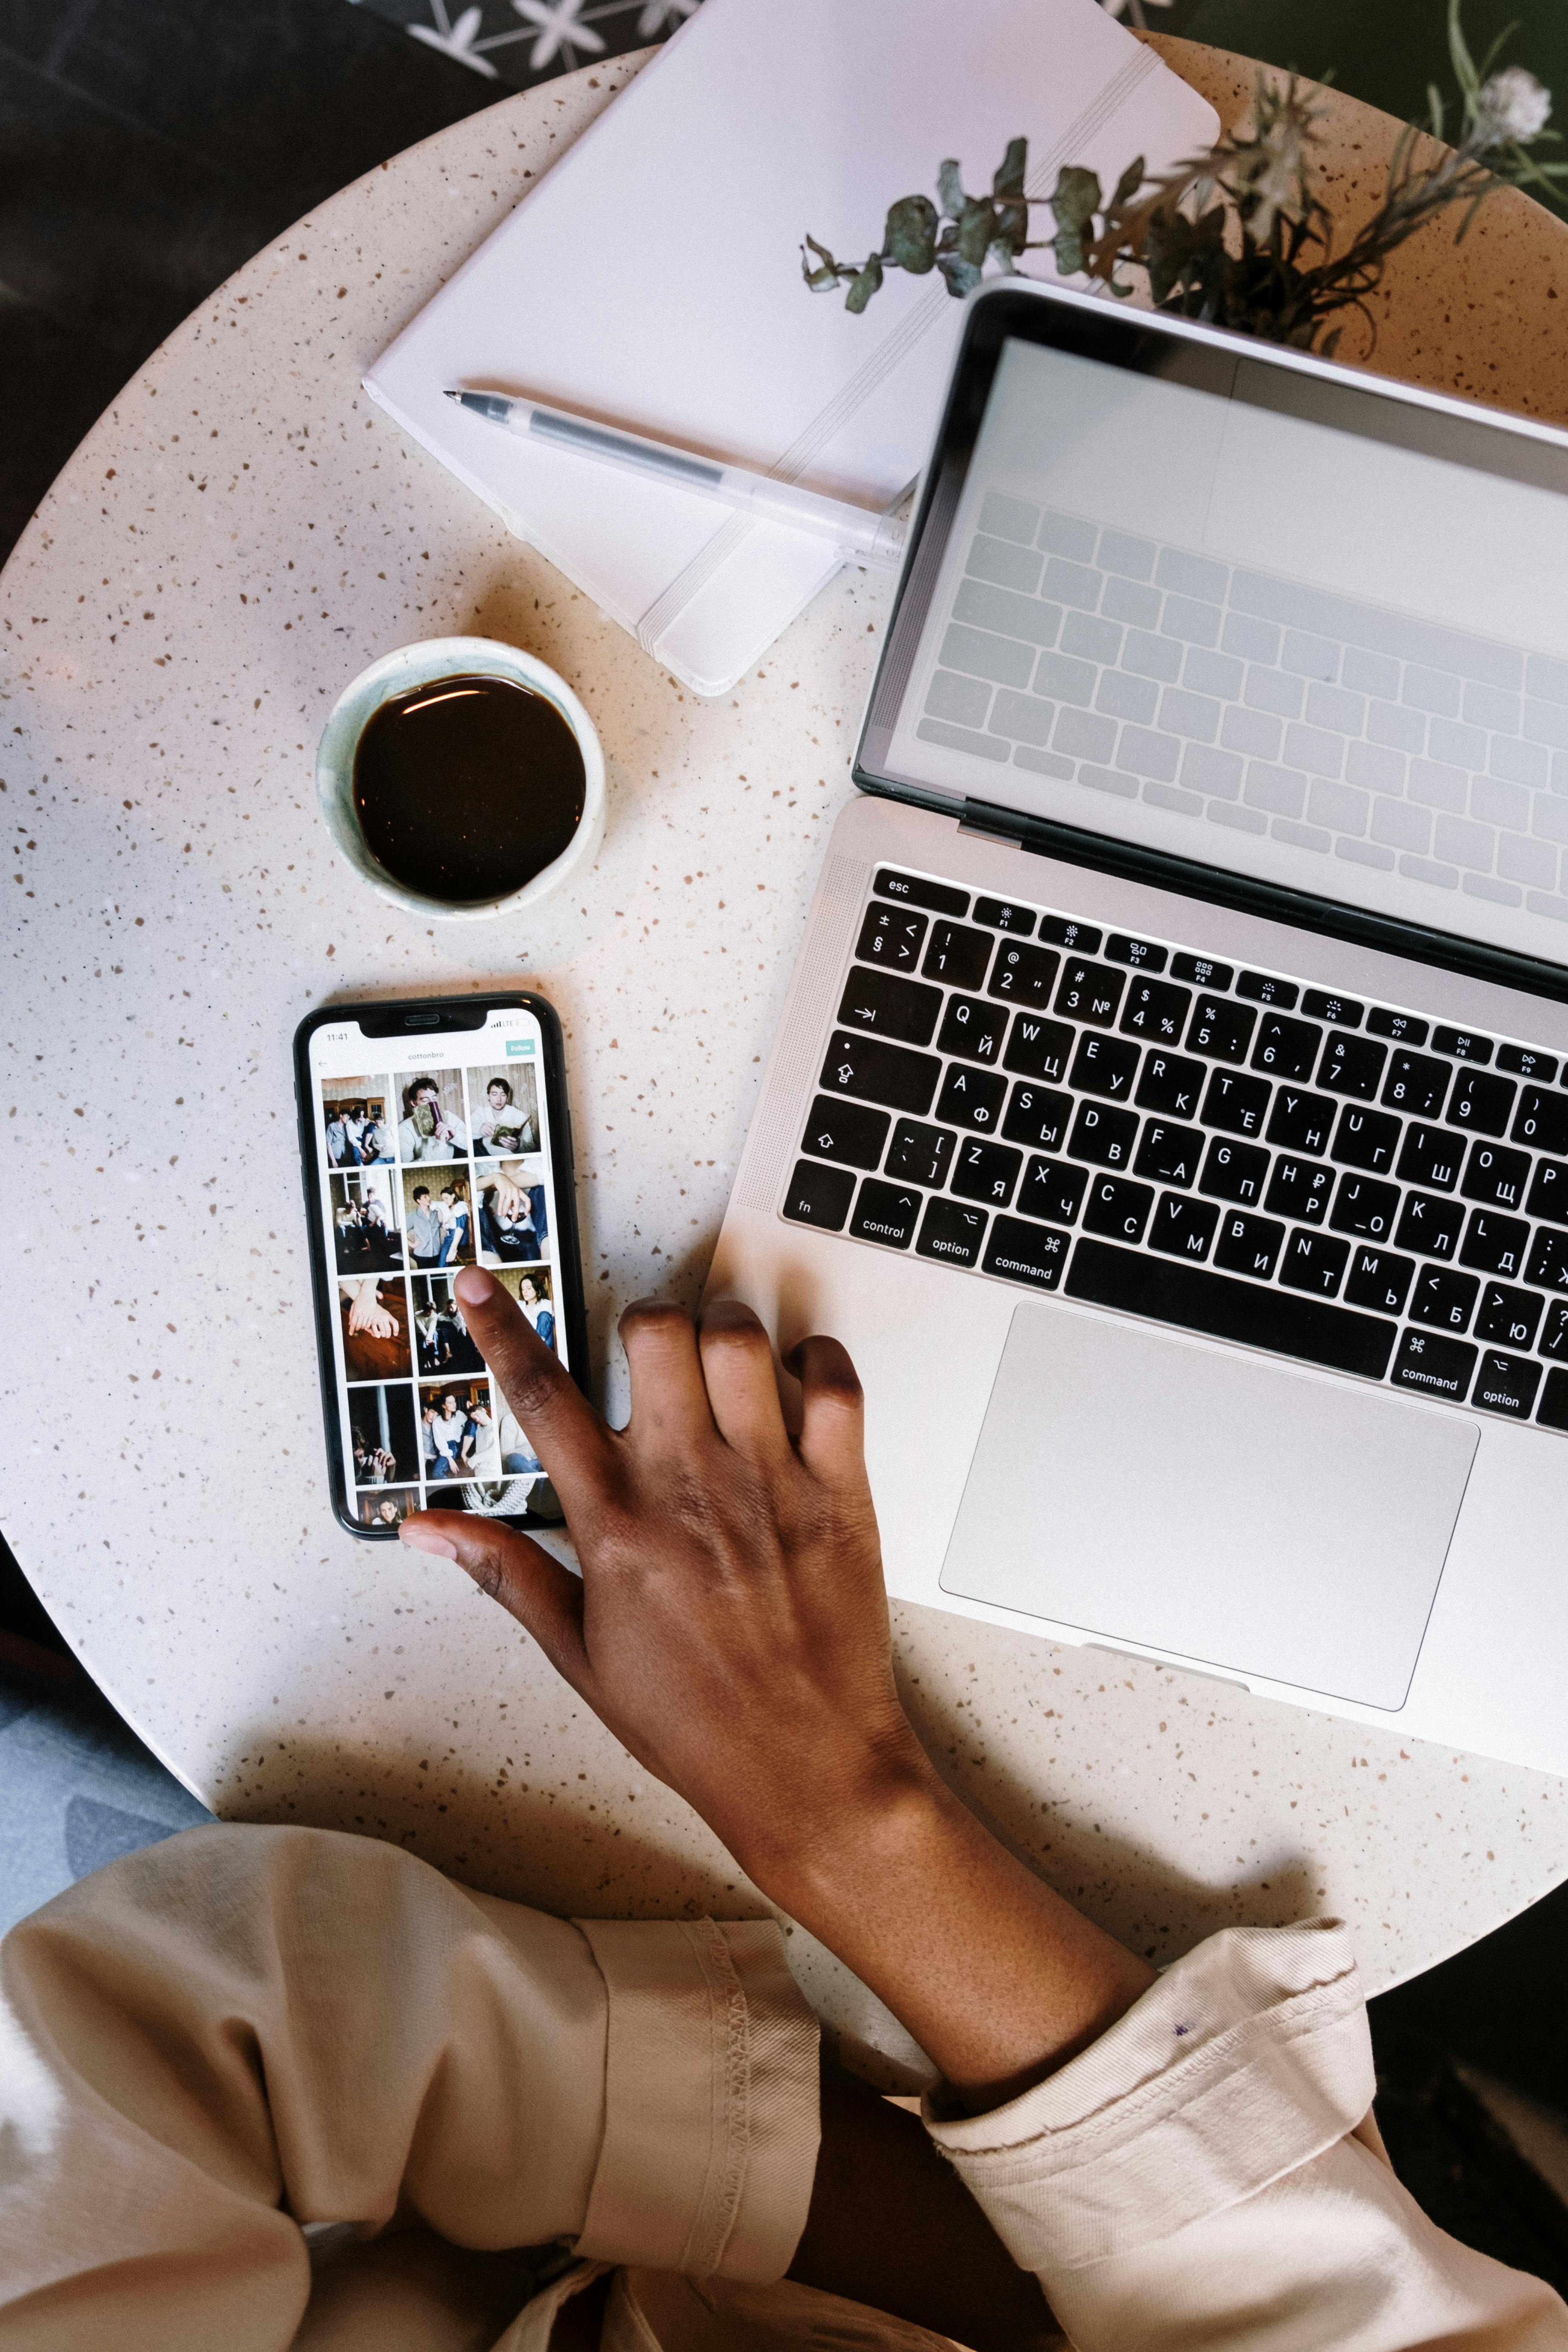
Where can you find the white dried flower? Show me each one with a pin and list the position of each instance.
(1511, 108)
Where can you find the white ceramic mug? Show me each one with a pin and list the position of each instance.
(404, 671)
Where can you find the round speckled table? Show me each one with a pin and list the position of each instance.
(234, 539)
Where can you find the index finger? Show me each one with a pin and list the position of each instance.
(566, 1433)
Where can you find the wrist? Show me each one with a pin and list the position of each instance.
(863, 1819)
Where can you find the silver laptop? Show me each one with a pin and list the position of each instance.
(1168, 1110)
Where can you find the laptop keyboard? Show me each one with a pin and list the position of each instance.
(1258, 704)
(1235, 1153)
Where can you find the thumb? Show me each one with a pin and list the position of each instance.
(531, 1585)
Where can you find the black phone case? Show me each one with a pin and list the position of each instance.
(386, 1020)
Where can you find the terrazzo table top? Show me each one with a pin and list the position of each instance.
(238, 535)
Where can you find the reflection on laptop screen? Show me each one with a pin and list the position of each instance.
(1271, 629)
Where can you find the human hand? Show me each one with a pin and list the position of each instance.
(368, 1313)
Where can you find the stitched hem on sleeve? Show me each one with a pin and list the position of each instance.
(711, 2100)
(1248, 2058)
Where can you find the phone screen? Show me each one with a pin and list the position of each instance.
(434, 1152)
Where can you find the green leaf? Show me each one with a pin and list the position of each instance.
(863, 284)
(909, 239)
(1076, 197)
(1001, 253)
(950, 192)
(826, 272)
(1009, 179)
(962, 277)
(1013, 228)
(1128, 185)
(1068, 246)
(976, 227)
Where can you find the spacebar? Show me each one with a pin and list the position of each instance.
(1280, 1320)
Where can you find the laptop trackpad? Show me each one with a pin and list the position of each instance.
(1267, 1520)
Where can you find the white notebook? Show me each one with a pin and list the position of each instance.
(652, 281)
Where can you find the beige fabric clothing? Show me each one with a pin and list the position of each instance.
(272, 2088)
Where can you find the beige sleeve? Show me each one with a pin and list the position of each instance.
(242, 2029)
(1191, 2178)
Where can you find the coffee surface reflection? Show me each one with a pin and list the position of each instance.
(466, 788)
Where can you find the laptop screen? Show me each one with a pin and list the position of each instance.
(1250, 616)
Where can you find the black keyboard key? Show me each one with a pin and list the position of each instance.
(886, 1213)
(879, 1072)
(1037, 1116)
(1201, 972)
(1105, 1066)
(1403, 1027)
(1444, 1297)
(1506, 1384)
(1342, 1010)
(1004, 915)
(1156, 1011)
(1524, 1062)
(1089, 992)
(1183, 1227)
(919, 1155)
(1431, 1156)
(1052, 1189)
(915, 890)
(1262, 988)
(1170, 1154)
(1508, 1316)
(1285, 1048)
(819, 1196)
(971, 1097)
(1555, 1331)
(1541, 1120)
(958, 955)
(1171, 1085)
(1117, 1209)
(1549, 1262)
(1247, 1244)
(1364, 1208)
(892, 1006)
(1102, 1135)
(1495, 1244)
(986, 1171)
(1039, 1049)
(1062, 932)
(1481, 1101)
(1416, 1084)
(1379, 1280)
(1302, 1122)
(1234, 1171)
(1495, 1176)
(846, 1131)
(891, 938)
(1299, 1189)
(1366, 1139)
(1430, 1225)
(1221, 1028)
(951, 1232)
(1553, 1414)
(1353, 1065)
(1023, 975)
(972, 1029)
(1197, 1300)
(1314, 1262)
(1142, 954)
(1237, 1104)
(1031, 1253)
(1549, 1193)
(1463, 1044)
(1436, 1366)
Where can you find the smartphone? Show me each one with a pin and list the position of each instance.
(433, 1134)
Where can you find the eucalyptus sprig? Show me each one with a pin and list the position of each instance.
(1240, 235)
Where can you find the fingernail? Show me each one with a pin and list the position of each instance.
(475, 1287)
(420, 1539)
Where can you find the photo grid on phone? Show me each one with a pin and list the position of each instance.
(426, 1172)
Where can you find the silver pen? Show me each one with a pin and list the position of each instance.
(868, 537)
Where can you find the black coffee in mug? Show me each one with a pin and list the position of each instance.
(468, 787)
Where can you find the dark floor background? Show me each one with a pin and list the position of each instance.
(147, 149)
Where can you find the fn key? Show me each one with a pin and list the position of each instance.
(819, 1196)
